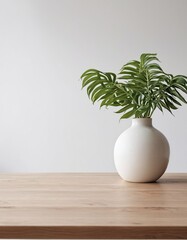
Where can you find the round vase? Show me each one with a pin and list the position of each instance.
(141, 153)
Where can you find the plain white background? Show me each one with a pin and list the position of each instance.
(47, 123)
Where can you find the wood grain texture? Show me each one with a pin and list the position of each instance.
(92, 206)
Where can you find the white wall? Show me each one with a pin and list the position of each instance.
(46, 122)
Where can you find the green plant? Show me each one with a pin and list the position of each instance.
(140, 88)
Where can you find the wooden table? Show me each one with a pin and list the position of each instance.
(92, 206)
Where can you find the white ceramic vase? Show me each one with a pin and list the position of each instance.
(141, 153)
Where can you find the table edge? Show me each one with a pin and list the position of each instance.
(93, 232)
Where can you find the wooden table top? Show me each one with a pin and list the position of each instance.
(92, 206)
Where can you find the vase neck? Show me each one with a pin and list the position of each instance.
(147, 122)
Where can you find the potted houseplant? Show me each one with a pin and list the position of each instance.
(141, 153)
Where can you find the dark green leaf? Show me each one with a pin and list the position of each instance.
(129, 114)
